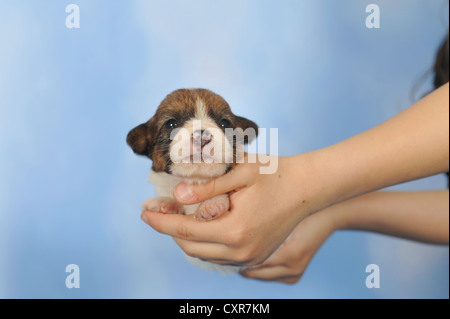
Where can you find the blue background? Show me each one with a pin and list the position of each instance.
(71, 189)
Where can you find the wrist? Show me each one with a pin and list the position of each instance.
(315, 183)
(341, 216)
(361, 212)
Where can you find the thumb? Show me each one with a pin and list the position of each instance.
(188, 194)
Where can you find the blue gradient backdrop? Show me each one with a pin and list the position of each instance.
(70, 188)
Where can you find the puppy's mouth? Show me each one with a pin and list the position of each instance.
(204, 153)
(199, 155)
(202, 162)
(201, 150)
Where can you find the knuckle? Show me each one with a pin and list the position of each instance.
(247, 256)
(203, 192)
(238, 236)
(183, 232)
(210, 188)
(234, 239)
(189, 251)
(241, 258)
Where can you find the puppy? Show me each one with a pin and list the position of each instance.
(193, 137)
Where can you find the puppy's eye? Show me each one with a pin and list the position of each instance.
(224, 123)
(171, 124)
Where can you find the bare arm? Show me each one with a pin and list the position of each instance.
(266, 208)
(421, 216)
(411, 145)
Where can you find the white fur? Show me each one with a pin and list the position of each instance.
(221, 152)
(200, 112)
(219, 148)
(164, 185)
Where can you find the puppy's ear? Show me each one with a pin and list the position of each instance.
(141, 139)
(245, 124)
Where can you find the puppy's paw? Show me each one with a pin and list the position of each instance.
(213, 208)
(165, 205)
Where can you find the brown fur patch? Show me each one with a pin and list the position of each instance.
(152, 138)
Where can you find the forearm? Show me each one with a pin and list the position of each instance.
(411, 145)
(422, 216)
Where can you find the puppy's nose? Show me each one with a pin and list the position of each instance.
(201, 137)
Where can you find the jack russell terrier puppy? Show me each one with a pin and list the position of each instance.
(193, 138)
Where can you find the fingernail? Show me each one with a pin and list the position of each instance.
(184, 192)
(144, 218)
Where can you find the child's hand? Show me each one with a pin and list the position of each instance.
(290, 261)
(264, 209)
(421, 216)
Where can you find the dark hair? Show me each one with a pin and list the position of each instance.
(441, 68)
(441, 65)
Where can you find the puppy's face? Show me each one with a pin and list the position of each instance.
(193, 134)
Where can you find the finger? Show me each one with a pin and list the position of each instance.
(189, 194)
(265, 273)
(184, 227)
(163, 205)
(211, 252)
(277, 273)
(278, 258)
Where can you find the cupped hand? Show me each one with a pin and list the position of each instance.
(264, 209)
(291, 260)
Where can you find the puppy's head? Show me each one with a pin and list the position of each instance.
(193, 134)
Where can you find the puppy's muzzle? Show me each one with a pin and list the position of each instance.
(202, 137)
